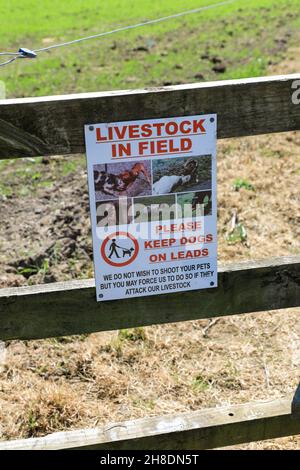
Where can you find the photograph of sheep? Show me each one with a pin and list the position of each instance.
(176, 175)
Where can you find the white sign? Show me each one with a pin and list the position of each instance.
(152, 186)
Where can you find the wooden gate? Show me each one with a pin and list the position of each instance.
(54, 126)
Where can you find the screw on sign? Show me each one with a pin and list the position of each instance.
(119, 249)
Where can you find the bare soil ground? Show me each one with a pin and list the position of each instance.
(83, 381)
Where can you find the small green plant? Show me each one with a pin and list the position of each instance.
(45, 267)
(28, 270)
(32, 423)
(36, 176)
(69, 167)
(200, 383)
(237, 235)
(241, 183)
(134, 334)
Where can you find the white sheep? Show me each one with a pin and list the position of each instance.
(167, 183)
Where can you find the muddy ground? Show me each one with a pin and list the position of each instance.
(82, 381)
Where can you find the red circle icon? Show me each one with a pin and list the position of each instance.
(119, 249)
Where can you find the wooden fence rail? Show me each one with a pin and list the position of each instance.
(54, 126)
(66, 308)
(197, 430)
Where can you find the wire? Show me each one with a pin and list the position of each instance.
(26, 53)
(9, 53)
(138, 25)
(8, 61)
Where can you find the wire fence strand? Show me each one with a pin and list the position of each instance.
(20, 55)
(137, 25)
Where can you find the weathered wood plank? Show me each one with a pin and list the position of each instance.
(205, 429)
(54, 125)
(70, 308)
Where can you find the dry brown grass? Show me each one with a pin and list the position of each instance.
(48, 385)
(83, 381)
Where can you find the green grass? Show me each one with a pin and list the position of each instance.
(243, 35)
(69, 167)
(34, 269)
(24, 177)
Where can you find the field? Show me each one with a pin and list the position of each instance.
(82, 381)
(197, 47)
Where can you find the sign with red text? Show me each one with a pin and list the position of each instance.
(152, 187)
